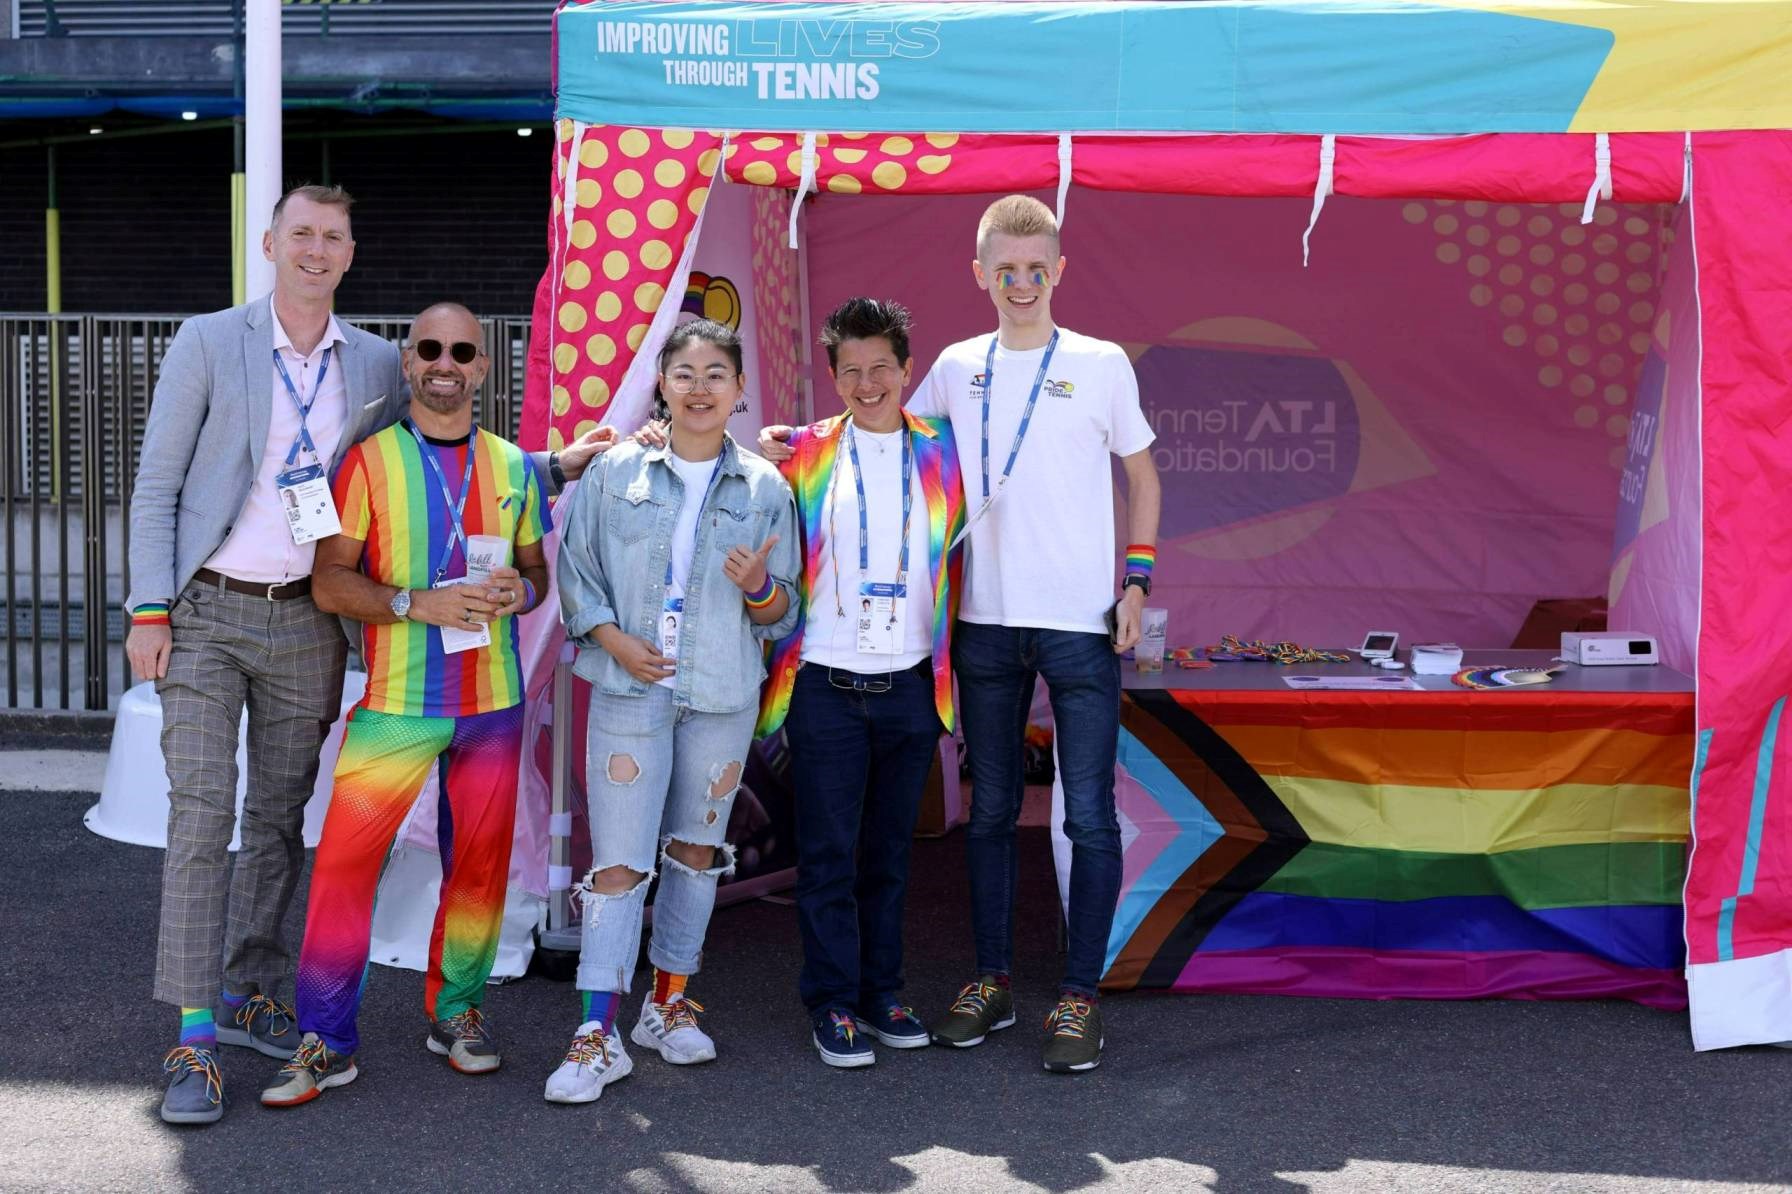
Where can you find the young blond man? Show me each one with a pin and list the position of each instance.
(1036, 410)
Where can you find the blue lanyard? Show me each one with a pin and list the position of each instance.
(858, 480)
(697, 528)
(303, 439)
(1020, 433)
(455, 507)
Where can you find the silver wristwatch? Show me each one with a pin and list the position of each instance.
(401, 604)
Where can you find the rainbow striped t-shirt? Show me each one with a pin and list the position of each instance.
(389, 498)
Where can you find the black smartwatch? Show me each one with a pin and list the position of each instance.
(1136, 579)
(559, 477)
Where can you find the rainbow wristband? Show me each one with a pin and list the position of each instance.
(764, 596)
(1141, 558)
(152, 613)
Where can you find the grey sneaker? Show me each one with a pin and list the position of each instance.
(314, 1069)
(465, 1041)
(262, 1024)
(196, 1090)
(1073, 1038)
(982, 1007)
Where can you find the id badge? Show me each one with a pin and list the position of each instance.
(671, 621)
(455, 640)
(880, 617)
(310, 508)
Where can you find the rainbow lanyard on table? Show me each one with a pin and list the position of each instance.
(303, 439)
(1020, 433)
(455, 507)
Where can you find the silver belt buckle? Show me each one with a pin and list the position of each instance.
(270, 593)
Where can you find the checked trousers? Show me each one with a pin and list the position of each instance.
(284, 661)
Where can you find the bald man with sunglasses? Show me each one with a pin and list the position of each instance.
(440, 551)
(254, 408)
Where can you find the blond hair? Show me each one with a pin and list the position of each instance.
(1016, 215)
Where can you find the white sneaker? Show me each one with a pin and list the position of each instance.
(671, 1030)
(593, 1062)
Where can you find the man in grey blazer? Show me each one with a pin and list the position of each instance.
(254, 408)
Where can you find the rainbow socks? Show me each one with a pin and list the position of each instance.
(197, 1029)
(601, 1006)
(666, 986)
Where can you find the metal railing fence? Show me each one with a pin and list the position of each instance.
(75, 393)
(329, 18)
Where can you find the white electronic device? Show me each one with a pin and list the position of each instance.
(1392, 665)
(1378, 644)
(1609, 648)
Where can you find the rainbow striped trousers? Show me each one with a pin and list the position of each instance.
(384, 760)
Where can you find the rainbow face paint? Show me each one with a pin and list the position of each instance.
(1007, 279)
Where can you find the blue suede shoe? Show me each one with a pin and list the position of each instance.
(196, 1090)
(840, 1040)
(894, 1025)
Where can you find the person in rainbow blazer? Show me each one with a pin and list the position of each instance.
(863, 686)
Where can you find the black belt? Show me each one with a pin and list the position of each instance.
(254, 588)
(874, 682)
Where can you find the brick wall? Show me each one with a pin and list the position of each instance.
(145, 221)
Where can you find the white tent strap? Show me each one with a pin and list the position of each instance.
(1602, 176)
(1686, 183)
(804, 185)
(1063, 175)
(569, 186)
(722, 162)
(1328, 156)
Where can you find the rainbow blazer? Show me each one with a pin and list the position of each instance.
(808, 472)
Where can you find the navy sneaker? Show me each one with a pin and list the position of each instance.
(259, 1023)
(195, 1088)
(894, 1025)
(840, 1040)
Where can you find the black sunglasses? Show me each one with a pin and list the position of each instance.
(463, 351)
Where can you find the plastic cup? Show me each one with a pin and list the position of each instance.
(485, 552)
(1154, 631)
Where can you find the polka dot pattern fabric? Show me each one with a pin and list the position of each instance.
(777, 308)
(1578, 298)
(625, 203)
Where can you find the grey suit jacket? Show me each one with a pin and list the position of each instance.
(208, 428)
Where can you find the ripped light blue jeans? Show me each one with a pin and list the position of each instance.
(655, 773)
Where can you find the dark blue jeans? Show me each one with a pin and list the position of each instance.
(996, 668)
(860, 761)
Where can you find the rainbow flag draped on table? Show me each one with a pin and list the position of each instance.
(1443, 845)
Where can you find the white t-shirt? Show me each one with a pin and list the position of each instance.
(695, 474)
(1043, 554)
(831, 631)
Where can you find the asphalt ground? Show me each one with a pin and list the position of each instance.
(1195, 1092)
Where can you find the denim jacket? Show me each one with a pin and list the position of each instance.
(612, 568)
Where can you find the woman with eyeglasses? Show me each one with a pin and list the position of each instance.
(678, 562)
(863, 688)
